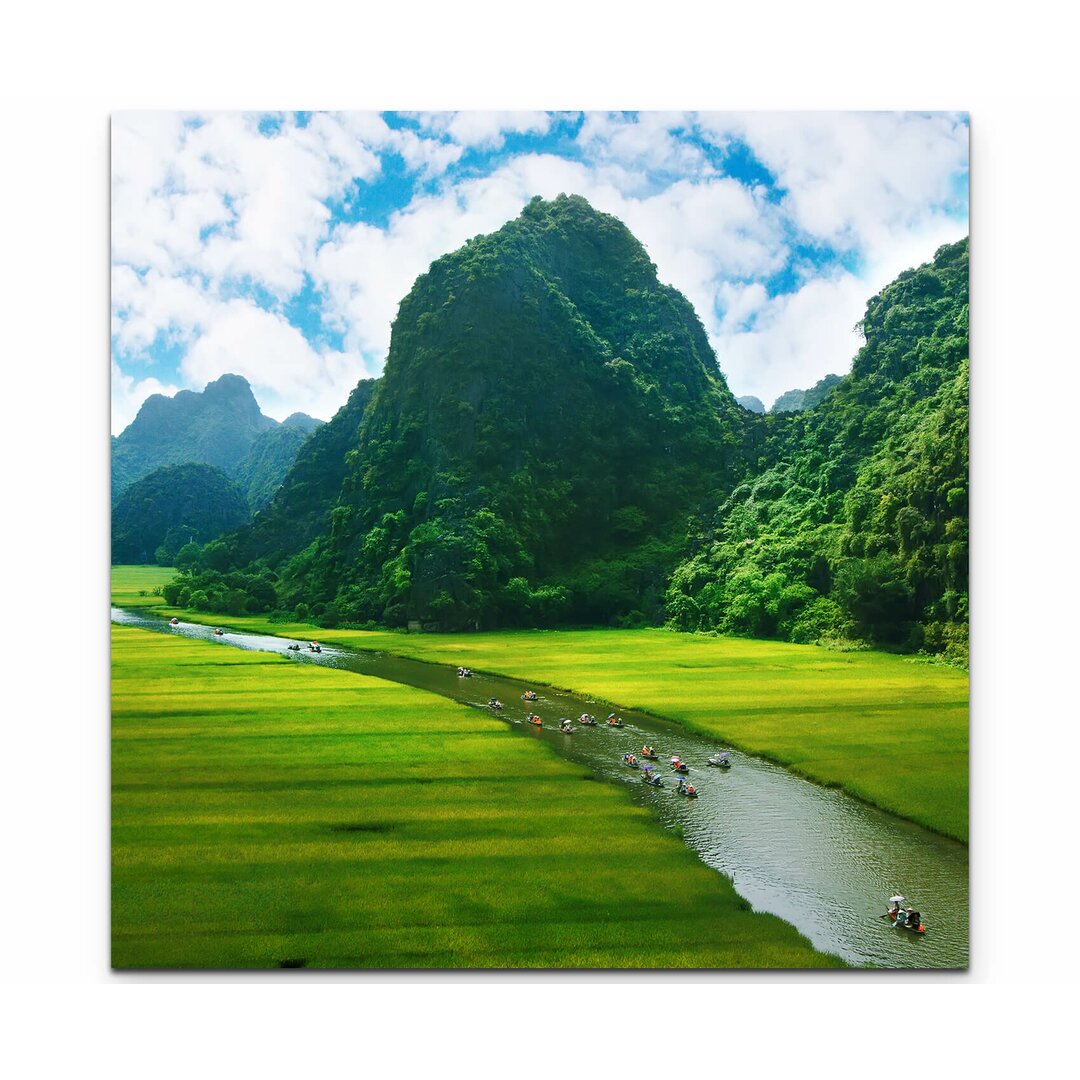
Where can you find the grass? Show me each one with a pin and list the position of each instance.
(268, 813)
(891, 732)
(132, 586)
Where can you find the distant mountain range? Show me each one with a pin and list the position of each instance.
(222, 426)
(798, 400)
(242, 457)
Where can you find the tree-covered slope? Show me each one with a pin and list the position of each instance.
(173, 506)
(798, 400)
(215, 427)
(857, 522)
(272, 454)
(548, 416)
(299, 510)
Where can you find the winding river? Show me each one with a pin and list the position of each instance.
(814, 856)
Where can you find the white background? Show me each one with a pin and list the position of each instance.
(63, 68)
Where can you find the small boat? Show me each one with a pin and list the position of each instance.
(720, 761)
(174, 622)
(218, 632)
(629, 761)
(680, 766)
(904, 918)
(687, 789)
(614, 723)
(294, 648)
(650, 777)
(585, 720)
(650, 756)
(314, 647)
(494, 703)
(535, 720)
(529, 695)
(566, 729)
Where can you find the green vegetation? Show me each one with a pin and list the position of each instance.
(223, 427)
(216, 427)
(267, 813)
(272, 454)
(139, 586)
(890, 731)
(856, 524)
(300, 510)
(800, 400)
(552, 444)
(174, 506)
(548, 416)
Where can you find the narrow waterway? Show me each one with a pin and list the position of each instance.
(816, 857)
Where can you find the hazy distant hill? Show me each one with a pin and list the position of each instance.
(751, 403)
(798, 400)
(221, 426)
(271, 456)
(172, 506)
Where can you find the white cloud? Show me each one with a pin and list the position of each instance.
(645, 142)
(697, 234)
(855, 180)
(205, 209)
(484, 129)
(795, 339)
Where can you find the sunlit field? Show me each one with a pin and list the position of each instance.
(268, 813)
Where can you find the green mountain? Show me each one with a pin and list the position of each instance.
(549, 415)
(552, 443)
(798, 400)
(215, 427)
(856, 524)
(173, 506)
(300, 509)
(272, 454)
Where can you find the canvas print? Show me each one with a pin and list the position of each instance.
(539, 540)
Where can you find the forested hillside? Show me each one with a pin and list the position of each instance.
(550, 421)
(857, 526)
(174, 506)
(272, 454)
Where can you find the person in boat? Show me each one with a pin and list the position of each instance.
(690, 790)
(895, 904)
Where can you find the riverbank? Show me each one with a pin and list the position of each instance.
(269, 813)
(888, 731)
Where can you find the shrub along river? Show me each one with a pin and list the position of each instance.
(814, 856)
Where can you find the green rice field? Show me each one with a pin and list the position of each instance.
(268, 813)
(889, 730)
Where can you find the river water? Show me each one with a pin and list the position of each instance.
(816, 857)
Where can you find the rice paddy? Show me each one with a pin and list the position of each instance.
(274, 814)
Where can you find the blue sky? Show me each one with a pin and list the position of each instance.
(278, 245)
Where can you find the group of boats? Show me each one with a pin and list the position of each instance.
(313, 646)
(650, 776)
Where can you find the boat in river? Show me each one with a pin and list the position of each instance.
(721, 761)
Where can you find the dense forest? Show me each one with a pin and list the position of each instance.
(856, 524)
(552, 443)
(173, 507)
